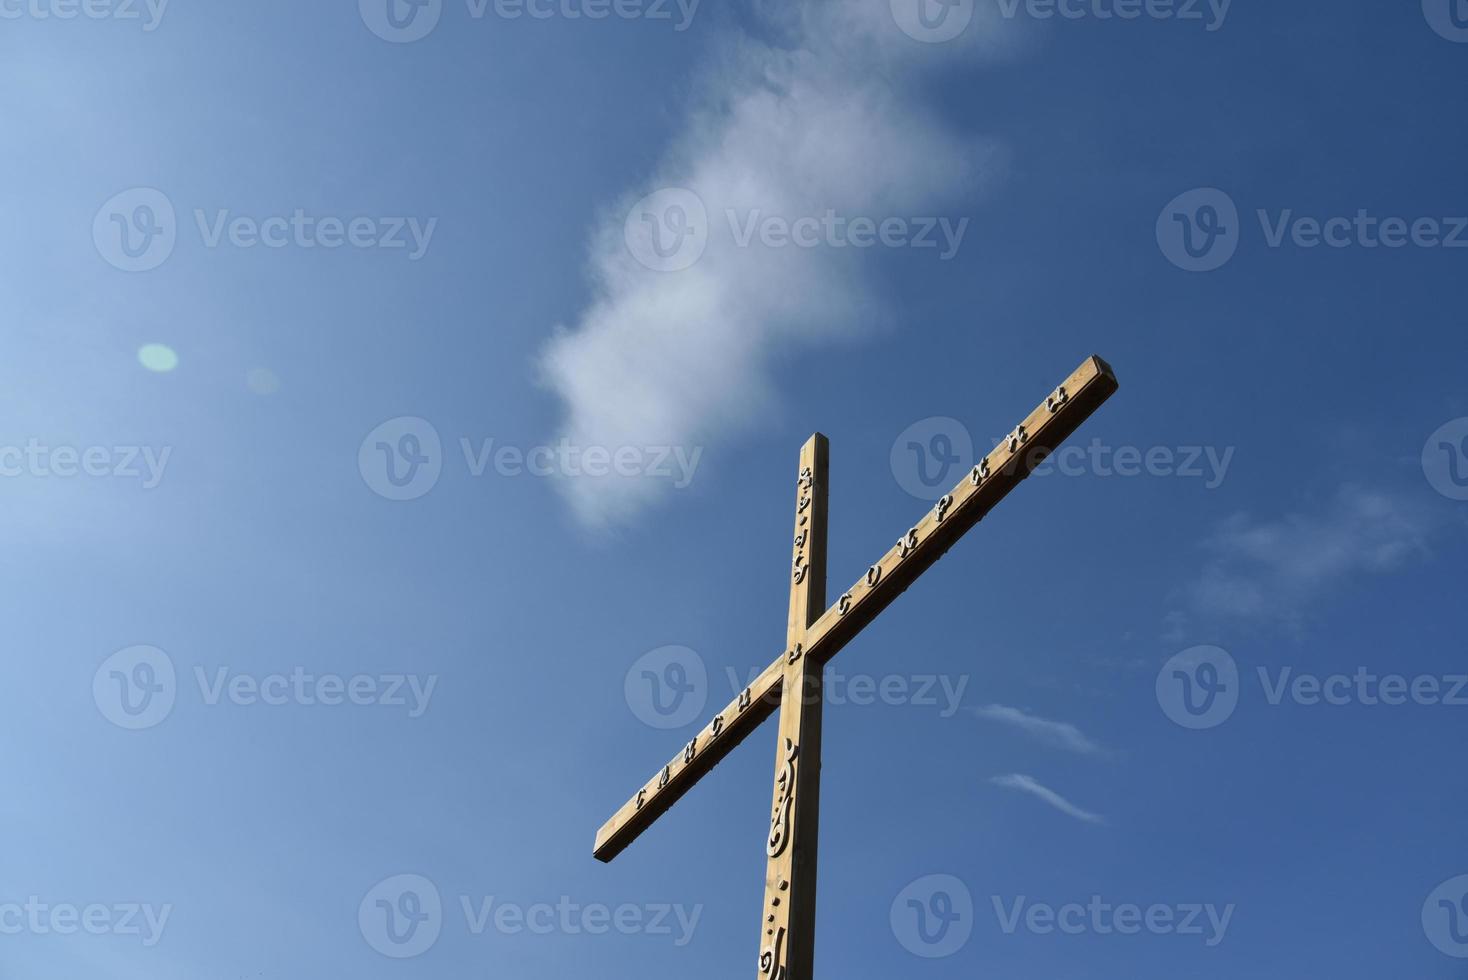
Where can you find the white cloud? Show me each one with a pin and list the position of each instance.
(1027, 784)
(821, 120)
(1270, 571)
(1061, 734)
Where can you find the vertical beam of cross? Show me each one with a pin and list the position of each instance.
(787, 946)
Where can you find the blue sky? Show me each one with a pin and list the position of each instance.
(248, 469)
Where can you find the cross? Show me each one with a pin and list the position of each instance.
(815, 634)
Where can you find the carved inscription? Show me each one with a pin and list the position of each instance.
(942, 508)
(772, 957)
(772, 954)
(784, 801)
(804, 485)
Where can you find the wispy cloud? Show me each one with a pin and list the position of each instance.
(1028, 784)
(1060, 734)
(818, 120)
(1273, 570)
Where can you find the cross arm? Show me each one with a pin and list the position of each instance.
(1039, 434)
(706, 750)
(990, 481)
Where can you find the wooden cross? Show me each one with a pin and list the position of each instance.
(814, 635)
